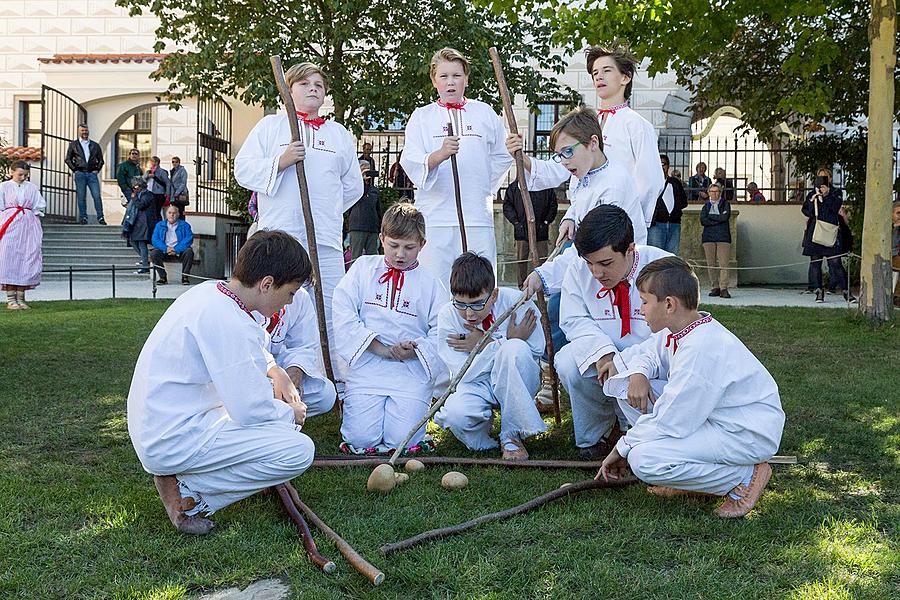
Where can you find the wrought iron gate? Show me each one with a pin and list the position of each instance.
(60, 117)
(213, 162)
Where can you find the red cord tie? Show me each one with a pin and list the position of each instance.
(396, 277)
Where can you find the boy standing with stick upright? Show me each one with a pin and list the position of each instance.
(478, 144)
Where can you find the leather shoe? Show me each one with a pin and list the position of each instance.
(731, 508)
(669, 492)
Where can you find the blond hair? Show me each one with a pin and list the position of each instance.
(403, 221)
(302, 71)
(448, 55)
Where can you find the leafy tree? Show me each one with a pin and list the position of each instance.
(375, 52)
(778, 60)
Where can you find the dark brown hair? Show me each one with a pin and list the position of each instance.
(471, 275)
(274, 253)
(625, 61)
(670, 276)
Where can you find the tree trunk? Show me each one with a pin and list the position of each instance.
(875, 271)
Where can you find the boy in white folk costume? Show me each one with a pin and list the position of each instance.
(504, 376)
(629, 140)
(211, 427)
(716, 422)
(600, 315)
(478, 144)
(385, 320)
(577, 140)
(293, 340)
(265, 165)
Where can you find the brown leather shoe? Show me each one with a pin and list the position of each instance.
(520, 453)
(176, 506)
(731, 508)
(670, 492)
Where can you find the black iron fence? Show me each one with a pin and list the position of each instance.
(235, 237)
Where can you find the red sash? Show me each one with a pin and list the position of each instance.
(19, 209)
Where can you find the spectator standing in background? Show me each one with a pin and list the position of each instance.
(665, 229)
(545, 207)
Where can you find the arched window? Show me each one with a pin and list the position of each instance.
(135, 132)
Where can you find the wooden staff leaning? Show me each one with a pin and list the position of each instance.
(530, 227)
(459, 211)
(285, 93)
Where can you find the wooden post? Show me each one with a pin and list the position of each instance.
(285, 93)
(530, 227)
(459, 210)
(875, 270)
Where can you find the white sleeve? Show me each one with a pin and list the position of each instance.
(685, 404)
(414, 158)
(545, 174)
(427, 347)
(499, 157)
(446, 326)
(301, 341)
(536, 341)
(553, 272)
(352, 337)
(256, 164)
(351, 177)
(649, 177)
(579, 326)
(40, 205)
(237, 365)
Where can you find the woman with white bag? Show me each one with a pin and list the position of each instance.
(821, 240)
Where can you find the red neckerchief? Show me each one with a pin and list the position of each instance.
(487, 322)
(19, 209)
(456, 105)
(274, 321)
(396, 276)
(611, 110)
(315, 122)
(224, 289)
(673, 338)
(622, 301)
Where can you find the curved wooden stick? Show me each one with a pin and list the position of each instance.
(436, 534)
(317, 559)
(459, 211)
(556, 249)
(530, 228)
(364, 567)
(484, 341)
(285, 93)
(372, 461)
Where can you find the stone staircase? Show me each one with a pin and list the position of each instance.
(85, 246)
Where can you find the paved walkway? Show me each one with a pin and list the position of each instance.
(97, 289)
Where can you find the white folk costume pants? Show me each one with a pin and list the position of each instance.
(710, 460)
(444, 245)
(331, 265)
(244, 460)
(370, 421)
(514, 380)
(593, 412)
(318, 395)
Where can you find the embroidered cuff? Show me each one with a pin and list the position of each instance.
(592, 358)
(623, 447)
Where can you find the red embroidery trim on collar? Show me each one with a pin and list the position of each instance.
(674, 337)
(457, 106)
(611, 110)
(637, 259)
(224, 289)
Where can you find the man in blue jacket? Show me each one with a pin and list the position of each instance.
(172, 237)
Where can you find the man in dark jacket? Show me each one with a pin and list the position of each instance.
(545, 206)
(159, 184)
(727, 185)
(365, 216)
(85, 159)
(665, 229)
(127, 171)
(139, 221)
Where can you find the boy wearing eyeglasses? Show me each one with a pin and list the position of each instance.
(504, 376)
(385, 320)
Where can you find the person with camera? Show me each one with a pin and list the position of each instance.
(364, 221)
(821, 241)
(179, 178)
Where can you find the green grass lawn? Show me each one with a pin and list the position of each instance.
(79, 518)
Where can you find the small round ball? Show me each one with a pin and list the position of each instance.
(401, 478)
(414, 465)
(382, 479)
(454, 481)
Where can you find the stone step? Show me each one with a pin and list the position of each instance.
(96, 250)
(89, 260)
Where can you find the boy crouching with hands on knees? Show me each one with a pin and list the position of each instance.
(505, 375)
(716, 422)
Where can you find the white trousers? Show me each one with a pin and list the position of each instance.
(244, 460)
(318, 395)
(331, 265)
(514, 380)
(444, 245)
(710, 460)
(369, 421)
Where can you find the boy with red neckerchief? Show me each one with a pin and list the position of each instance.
(385, 320)
(716, 423)
(478, 144)
(265, 165)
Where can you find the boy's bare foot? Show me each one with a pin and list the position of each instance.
(731, 508)
(669, 492)
(167, 487)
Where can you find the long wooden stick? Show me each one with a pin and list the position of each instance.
(364, 567)
(317, 559)
(285, 93)
(485, 339)
(436, 534)
(372, 461)
(459, 211)
(530, 227)
(557, 249)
